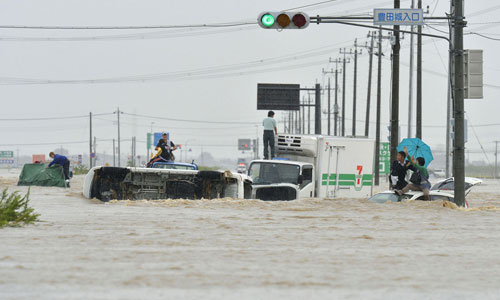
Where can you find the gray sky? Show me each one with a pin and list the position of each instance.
(250, 55)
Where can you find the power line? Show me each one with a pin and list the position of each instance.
(484, 36)
(191, 121)
(213, 25)
(51, 118)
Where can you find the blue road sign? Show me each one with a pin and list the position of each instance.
(398, 16)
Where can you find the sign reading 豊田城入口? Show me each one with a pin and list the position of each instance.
(398, 16)
(6, 154)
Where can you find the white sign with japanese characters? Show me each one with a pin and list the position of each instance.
(398, 16)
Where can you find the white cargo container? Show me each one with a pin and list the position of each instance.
(309, 166)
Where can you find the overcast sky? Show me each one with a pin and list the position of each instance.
(206, 74)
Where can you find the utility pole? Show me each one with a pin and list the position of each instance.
(329, 99)
(371, 35)
(449, 103)
(379, 102)
(419, 79)
(118, 112)
(410, 87)
(90, 140)
(95, 149)
(356, 52)
(496, 159)
(308, 113)
(304, 115)
(317, 110)
(344, 62)
(114, 157)
(329, 107)
(395, 89)
(459, 23)
(336, 105)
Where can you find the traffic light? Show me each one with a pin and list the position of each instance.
(283, 20)
(243, 144)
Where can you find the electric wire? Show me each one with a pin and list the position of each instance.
(51, 118)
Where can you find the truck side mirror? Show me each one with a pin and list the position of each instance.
(300, 180)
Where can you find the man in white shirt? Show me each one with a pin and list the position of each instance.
(270, 128)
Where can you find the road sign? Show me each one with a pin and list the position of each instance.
(473, 74)
(6, 161)
(278, 96)
(398, 16)
(148, 140)
(7, 154)
(385, 158)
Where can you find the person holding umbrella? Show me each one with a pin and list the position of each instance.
(419, 181)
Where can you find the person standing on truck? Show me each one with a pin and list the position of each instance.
(398, 172)
(63, 161)
(270, 128)
(165, 149)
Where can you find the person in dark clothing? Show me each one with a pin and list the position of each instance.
(164, 149)
(270, 129)
(419, 181)
(398, 172)
(60, 160)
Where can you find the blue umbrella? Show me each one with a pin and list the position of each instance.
(417, 148)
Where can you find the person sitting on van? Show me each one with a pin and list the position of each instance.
(419, 181)
(398, 172)
(165, 151)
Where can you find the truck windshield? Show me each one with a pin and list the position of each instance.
(268, 172)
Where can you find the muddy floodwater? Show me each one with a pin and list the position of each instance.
(249, 249)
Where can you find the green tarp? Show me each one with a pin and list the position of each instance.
(38, 174)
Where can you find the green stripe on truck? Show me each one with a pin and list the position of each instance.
(346, 179)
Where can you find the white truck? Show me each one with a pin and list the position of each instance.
(308, 166)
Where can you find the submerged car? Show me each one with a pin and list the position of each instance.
(443, 190)
(164, 182)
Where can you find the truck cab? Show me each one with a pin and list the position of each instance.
(281, 179)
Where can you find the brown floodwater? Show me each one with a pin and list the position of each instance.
(250, 249)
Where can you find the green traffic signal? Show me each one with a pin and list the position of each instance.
(267, 20)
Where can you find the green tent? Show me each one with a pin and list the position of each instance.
(38, 174)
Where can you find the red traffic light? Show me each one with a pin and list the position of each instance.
(299, 20)
(246, 145)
